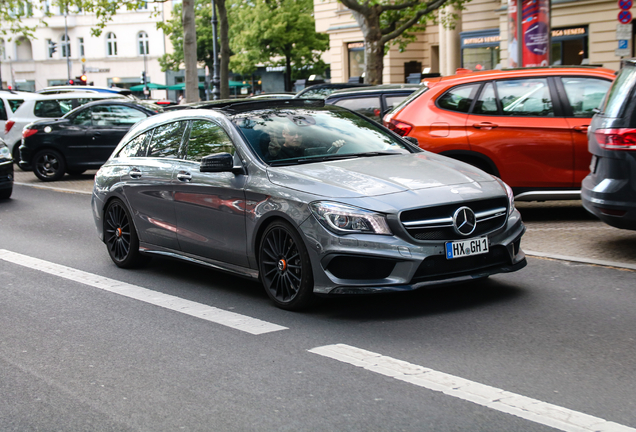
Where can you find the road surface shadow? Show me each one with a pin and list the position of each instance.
(554, 211)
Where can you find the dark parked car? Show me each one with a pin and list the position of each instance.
(321, 91)
(82, 139)
(6, 171)
(372, 101)
(609, 191)
(311, 199)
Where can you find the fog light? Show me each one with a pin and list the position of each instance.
(612, 212)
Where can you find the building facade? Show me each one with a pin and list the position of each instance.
(129, 45)
(582, 32)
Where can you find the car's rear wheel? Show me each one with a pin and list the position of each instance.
(121, 237)
(285, 268)
(6, 193)
(49, 165)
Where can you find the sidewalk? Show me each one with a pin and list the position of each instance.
(555, 229)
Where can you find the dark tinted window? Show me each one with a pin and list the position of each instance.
(458, 98)
(368, 106)
(166, 140)
(137, 147)
(525, 97)
(52, 108)
(15, 103)
(620, 91)
(207, 138)
(3, 110)
(585, 94)
(487, 102)
(116, 115)
(83, 118)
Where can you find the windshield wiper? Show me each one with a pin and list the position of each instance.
(330, 157)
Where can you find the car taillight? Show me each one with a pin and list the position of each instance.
(28, 132)
(399, 127)
(8, 125)
(616, 139)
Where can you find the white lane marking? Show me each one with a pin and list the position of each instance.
(219, 316)
(55, 188)
(490, 397)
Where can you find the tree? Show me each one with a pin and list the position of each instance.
(203, 13)
(383, 21)
(276, 33)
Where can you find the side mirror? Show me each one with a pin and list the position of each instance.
(412, 140)
(219, 162)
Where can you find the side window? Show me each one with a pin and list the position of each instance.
(525, 97)
(585, 94)
(207, 138)
(3, 110)
(369, 106)
(83, 118)
(487, 102)
(48, 109)
(116, 115)
(392, 101)
(458, 98)
(166, 140)
(14, 104)
(137, 147)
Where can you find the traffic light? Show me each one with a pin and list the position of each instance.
(143, 77)
(71, 82)
(52, 48)
(83, 80)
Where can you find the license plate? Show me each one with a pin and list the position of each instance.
(458, 249)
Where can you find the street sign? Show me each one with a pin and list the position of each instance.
(625, 4)
(623, 44)
(625, 16)
(623, 31)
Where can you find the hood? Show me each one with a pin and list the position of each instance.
(377, 175)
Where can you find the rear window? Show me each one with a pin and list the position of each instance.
(409, 99)
(52, 108)
(620, 91)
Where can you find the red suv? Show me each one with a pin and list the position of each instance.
(526, 126)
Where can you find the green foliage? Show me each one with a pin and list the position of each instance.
(276, 33)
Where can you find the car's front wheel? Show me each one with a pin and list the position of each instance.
(285, 268)
(49, 165)
(120, 236)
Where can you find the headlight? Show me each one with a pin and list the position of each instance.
(4, 152)
(345, 219)
(511, 195)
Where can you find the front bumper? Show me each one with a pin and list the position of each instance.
(6, 175)
(357, 264)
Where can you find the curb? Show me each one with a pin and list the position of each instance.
(581, 260)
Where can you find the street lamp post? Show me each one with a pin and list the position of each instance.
(216, 91)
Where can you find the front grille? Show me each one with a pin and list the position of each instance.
(438, 267)
(436, 223)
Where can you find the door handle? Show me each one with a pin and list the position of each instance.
(95, 134)
(184, 176)
(582, 128)
(135, 173)
(485, 125)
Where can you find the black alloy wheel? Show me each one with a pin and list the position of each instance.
(121, 237)
(285, 268)
(49, 165)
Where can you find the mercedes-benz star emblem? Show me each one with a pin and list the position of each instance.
(464, 221)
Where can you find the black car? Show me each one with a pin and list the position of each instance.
(609, 191)
(372, 101)
(321, 91)
(83, 139)
(6, 171)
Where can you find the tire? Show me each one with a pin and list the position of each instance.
(75, 172)
(6, 193)
(285, 268)
(49, 165)
(121, 237)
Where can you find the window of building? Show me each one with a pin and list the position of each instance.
(569, 46)
(80, 44)
(142, 43)
(356, 59)
(111, 44)
(480, 49)
(49, 48)
(143, 6)
(3, 51)
(66, 46)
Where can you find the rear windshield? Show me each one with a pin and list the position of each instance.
(52, 108)
(289, 136)
(620, 91)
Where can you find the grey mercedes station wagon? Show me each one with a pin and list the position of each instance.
(308, 198)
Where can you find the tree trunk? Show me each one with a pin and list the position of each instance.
(190, 51)
(373, 45)
(224, 29)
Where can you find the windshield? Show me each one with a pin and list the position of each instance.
(620, 91)
(291, 136)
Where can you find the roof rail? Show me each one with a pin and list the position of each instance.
(238, 106)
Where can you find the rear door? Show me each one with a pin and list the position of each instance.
(581, 95)
(516, 124)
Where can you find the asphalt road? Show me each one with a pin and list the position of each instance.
(77, 356)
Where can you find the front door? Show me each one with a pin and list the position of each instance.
(110, 124)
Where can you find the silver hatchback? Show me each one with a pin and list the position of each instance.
(308, 198)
